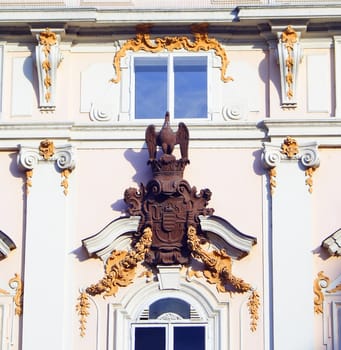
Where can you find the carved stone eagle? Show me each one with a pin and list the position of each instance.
(166, 138)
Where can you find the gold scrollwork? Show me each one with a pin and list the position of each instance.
(16, 284)
(218, 271)
(120, 267)
(289, 37)
(143, 42)
(83, 311)
(290, 147)
(18, 295)
(320, 281)
(47, 39)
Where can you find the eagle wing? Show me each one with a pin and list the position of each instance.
(182, 138)
(151, 138)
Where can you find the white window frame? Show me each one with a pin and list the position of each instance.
(170, 83)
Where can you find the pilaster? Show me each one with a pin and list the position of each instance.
(337, 60)
(46, 237)
(290, 243)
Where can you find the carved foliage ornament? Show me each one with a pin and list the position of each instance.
(83, 311)
(143, 42)
(290, 147)
(289, 56)
(48, 58)
(289, 38)
(16, 284)
(321, 283)
(169, 230)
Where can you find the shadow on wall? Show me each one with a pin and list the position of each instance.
(268, 70)
(138, 159)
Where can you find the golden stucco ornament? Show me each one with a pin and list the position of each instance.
(121, 267)
(218, 271)
(290, 147)
(143, 42)
(46, 149)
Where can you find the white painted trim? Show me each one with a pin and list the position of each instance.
(103, 243)
(228, 233)
(127, 311)
(6, 245)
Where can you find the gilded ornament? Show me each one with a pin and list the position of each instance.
(253, 306)
(83, 311)
(46, 149)
(218, 271)
(143, 42)
(320, 282)
(17, 282)
(272, 175)
(65, 180)
(47, 39)
(28, 174)
(289, 37)
(120, 267)
(290, 147)
(309, 180)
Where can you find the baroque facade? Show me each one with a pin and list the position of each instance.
(169, 175)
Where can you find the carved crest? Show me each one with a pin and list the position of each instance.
(168, 204)
(169, 230)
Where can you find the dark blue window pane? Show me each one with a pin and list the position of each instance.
(150, 87)
(150, 338)
(189, 338)
(190, 84)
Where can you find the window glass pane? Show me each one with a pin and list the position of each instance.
(150, 338)
(150, 87)
(190, 84)
(172, 305)
(189, 338)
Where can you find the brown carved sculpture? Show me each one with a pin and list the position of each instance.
(169, 230)
(168, 204)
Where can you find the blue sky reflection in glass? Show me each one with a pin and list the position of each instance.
(190, 85)
(187, 88)
(150, 87)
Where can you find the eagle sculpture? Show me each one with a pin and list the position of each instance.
(166, 138)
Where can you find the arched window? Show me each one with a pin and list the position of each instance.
(169, 324)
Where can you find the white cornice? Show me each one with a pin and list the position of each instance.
(118, 16)
(239, 134)
(327, 132)
(289, 12)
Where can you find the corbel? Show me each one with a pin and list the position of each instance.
(289, 56)
(48, 59)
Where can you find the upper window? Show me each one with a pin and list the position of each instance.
(169, 324)
(174, 83)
